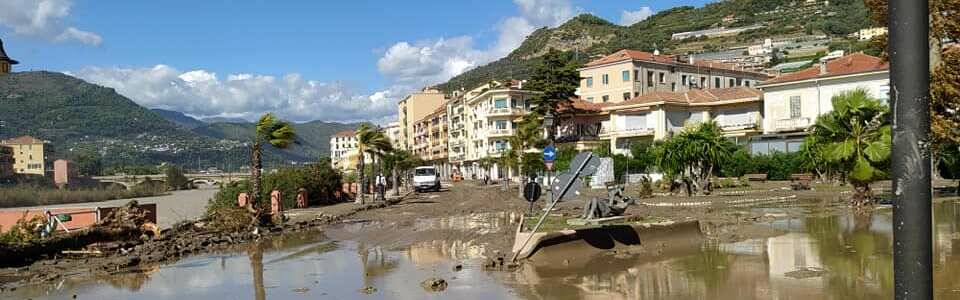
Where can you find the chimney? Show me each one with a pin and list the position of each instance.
(823, 68)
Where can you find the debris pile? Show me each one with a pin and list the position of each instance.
(434, 284)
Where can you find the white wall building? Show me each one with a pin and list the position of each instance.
(792, 102)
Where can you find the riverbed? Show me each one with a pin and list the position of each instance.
(815, 255)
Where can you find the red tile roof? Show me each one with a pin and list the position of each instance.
(631, 55)
(22, 140)
(694, 97)
(850, 64)
(626, 54)
(346, 133)
(579, 105)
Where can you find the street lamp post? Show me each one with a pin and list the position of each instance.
(548, 123)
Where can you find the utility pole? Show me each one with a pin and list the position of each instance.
(910, 82)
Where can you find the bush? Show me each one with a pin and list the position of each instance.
(320, 181)
(32, 196)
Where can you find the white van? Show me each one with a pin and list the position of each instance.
(426, 178)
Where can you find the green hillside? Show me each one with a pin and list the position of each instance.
(588, 36)
(82, 118)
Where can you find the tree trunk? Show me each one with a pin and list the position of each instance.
(360, 185)
(396, 181)
(256, 265)
(520, 175)
(257, 159)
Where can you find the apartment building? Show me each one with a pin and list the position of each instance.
(413, 108)
(393, 133)
(482, 123)
(343, 145)
(29, 154)
(793, 102)
(659, 115)
(627, 74)
(578, 124)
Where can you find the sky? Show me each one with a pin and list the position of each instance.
(341, 61)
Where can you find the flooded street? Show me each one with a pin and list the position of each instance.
(820, 255)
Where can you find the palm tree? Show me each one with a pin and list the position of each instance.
(857, 137)
(485, 164)
(694, 153)
(276, 133)
(370, 141)
(527, 135)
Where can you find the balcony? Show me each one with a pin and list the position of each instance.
(458, 157)
(504, 111)
(629, 132)
(744, 124)
(494, 152)
(456, 143)
(499, 132)
(795, 124)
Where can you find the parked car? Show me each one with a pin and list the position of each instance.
(426, 178)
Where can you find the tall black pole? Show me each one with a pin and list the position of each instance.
(910, 89)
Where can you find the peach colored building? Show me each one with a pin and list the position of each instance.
(63, 172)
(626, 74)
(413, 108)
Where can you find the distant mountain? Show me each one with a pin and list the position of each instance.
(211, 120)
(313, 138)
(179, 118)
(79, 117)
(587, 36)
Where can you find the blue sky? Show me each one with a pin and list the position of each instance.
(351, 57)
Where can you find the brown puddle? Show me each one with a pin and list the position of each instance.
(821, 256)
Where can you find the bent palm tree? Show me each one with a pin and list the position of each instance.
(857, 137)
(276, 133)
(370, 141)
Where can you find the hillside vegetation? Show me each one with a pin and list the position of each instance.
(589, 36)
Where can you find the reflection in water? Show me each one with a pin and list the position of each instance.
(822, 256)
(847, 256)
(255, 252)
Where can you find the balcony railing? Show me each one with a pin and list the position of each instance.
(739, 124)
(500, 132)
(627, 131)
(504, 111)
(792, 124)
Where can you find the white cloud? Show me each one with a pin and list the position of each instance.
(628, 18)
(417, 64)
(201, 93)
(43, 19)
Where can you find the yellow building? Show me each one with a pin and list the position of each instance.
(413, 108)
(29, 155)
(6, 62)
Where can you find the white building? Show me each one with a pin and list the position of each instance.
(481, 123)
(394, 132)
(867, 34)
(792, 102)
(659, 115)
(343, 146)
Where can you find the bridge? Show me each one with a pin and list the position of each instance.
(132, 180)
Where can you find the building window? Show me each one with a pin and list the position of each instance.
(626, 75)
(590, 99)
(606, 79)
(606, 98)
(683, 80)
(663, 77)
(589, 81)
(703, 82)
(794, 107)
(500, 103)
(746, 83)
(716, 82)
(626, 96)
(731, 83)
(636, 75)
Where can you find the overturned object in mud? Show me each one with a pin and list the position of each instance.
(434, 284)
(615, 204)
(563, 244)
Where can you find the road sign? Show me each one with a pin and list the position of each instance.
(531, 191)
(549, 153)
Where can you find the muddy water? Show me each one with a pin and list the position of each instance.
(819, 256)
